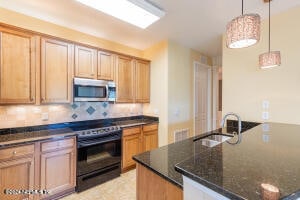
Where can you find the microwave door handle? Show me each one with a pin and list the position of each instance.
(107, 95)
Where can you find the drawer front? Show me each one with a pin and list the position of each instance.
(16, 151)
(59, 144)
(131, 131)
(150, 127)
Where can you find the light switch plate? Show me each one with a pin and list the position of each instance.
(265, 104)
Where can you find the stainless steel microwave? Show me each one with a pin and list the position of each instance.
(94, 90)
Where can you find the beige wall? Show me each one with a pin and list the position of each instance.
(158, 54)
(26, 22)
(245, 86)
(172, 85)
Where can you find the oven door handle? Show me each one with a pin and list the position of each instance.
(81, 144)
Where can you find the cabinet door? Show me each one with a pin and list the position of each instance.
(131, 145)
(17, 67)
(125, 79)
(56, 71)
(85, 62)
(58, 171)
(106, 66)
(150, 137)
(17, 174)
(142, 84)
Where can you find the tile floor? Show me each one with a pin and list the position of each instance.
(122, 188)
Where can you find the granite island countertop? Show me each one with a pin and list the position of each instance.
(268, 153)
(22, 135)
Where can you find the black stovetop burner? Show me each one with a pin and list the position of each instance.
(85, 132)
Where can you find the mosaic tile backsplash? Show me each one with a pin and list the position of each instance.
(18, 116)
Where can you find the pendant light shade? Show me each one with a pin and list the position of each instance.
(269, 59)
(243, 31)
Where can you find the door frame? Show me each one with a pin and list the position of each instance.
(209, 95)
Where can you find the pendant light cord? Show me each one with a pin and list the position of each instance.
(269, 24)
(242, 7)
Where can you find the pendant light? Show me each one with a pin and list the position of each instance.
(271, 58)
(243, 31)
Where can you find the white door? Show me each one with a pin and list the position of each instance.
(202, 98)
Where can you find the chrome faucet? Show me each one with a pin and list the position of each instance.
(238, 118)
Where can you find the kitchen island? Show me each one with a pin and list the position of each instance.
(267, 154)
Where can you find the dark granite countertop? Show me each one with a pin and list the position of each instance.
(267, 153)
(12, 136)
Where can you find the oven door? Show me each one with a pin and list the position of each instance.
(97, 154)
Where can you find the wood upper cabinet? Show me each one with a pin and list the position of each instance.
(131, 145)
(142, 81)
(125, 79)
(106, 66)
(57, 61)
(150, 137)
(58, 166)
(17, 66)
(85, 62)
(17, 171)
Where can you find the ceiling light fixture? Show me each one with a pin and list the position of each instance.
(271, 58)
(243, 31)
(140, 13)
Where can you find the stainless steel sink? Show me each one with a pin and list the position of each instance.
(214, 139)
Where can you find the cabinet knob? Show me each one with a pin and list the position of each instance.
(14, 152)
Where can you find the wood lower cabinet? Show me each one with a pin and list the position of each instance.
(48, 165)
(131, 145)
(58, 167)
(136, 140)
(17, 66)
(57, 61)
(150, 137)
(150, 186)
(85, 62)
(17, 171)
(142, 81)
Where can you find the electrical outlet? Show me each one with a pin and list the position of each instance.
(45, 116)
(265, 115)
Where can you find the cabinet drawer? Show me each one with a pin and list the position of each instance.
(16, 151)
(150, 127)
(59, 144)
(131, 131)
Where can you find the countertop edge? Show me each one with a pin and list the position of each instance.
(35, 139)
